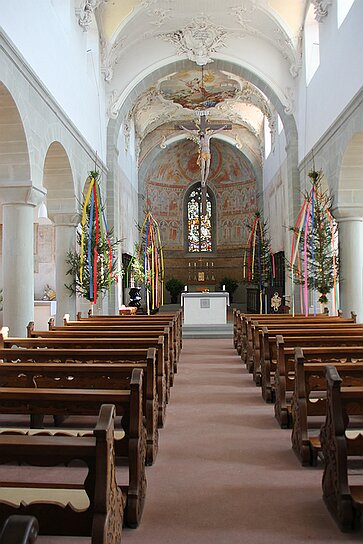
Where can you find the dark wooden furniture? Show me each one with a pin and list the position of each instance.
(95, 509)
(309, 399)
(115, 376)
(19, 530)
(91, 343)
(87, 402)
(342, 496)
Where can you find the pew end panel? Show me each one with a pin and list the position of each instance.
(100, 513)
(343, 501)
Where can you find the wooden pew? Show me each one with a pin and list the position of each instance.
(342, 496)
(114, 372)
(254, 327)
(128, 326)
(309, 399)
(19, 530)
(172, 320)
(74, 342)
(177, 315)
(87, 402)
(268, 354)
(94, 509)
(69, 332)
(242, 319)
(285, 373)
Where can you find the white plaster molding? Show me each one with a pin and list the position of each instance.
(86, 10)
(289, 101)
(321, 9)
(110, 57)
(198, 40)
(20, 193)
(158, 14)
(280, 39)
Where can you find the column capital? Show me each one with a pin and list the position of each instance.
(70, 219)
(22, 194)
(348, 212)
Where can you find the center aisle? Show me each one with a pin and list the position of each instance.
(225, 472)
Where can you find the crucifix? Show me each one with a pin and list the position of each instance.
(201, 133)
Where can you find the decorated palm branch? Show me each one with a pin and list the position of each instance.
(258, 261)
(147, 264)
(314, 263)
(93, 265)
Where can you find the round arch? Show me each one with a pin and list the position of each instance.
(14, 153)
(58, 180)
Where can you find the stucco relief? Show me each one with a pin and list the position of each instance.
(232, 182)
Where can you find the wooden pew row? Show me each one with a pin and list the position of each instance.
(19, 530)
(268, 354)
(342, 493)
(251, 348)
(105, 333)
(170, 320)
(128, 322)
(238, 324)
(309, 399)
(285, 374)
(278, 318)
(127, 331)
(94, 509)
(113, 371)
(87, 402)
(74, 342)
(178, 315)
(258, 359)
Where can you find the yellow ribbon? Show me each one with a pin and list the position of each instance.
(83, 221)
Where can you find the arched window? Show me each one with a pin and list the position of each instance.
(199, 225)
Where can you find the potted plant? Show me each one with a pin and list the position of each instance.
(175, 287)
(230, 286)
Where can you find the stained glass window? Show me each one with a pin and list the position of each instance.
(199, 225)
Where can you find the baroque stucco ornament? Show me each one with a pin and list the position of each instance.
(86, 10)
(321, 9)
(198, 40)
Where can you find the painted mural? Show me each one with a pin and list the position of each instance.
(196, 90)
(232, 181)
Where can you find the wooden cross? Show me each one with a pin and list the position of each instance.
(203, 126)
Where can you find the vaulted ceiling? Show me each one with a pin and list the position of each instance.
(163, 59)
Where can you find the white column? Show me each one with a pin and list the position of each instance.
(65, 239)
(351, 265)
(18, 202)
(18, 267)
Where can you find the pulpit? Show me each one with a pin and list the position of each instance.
(205, 308)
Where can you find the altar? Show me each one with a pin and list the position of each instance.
(205, 308)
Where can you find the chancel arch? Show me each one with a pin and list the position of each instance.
(169, 178)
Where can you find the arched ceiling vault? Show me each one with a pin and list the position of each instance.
(254, 43)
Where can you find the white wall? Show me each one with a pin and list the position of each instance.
(336, 81)
(50, 39)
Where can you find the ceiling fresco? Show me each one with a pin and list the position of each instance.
(199, 88)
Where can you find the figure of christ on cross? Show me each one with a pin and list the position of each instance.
(201, 134)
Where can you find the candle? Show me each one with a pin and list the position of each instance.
(223, 287)
(185, 288)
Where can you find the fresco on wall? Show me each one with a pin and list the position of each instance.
(192, 91)
(232, 181)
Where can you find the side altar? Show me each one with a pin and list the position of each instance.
(205, 308)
